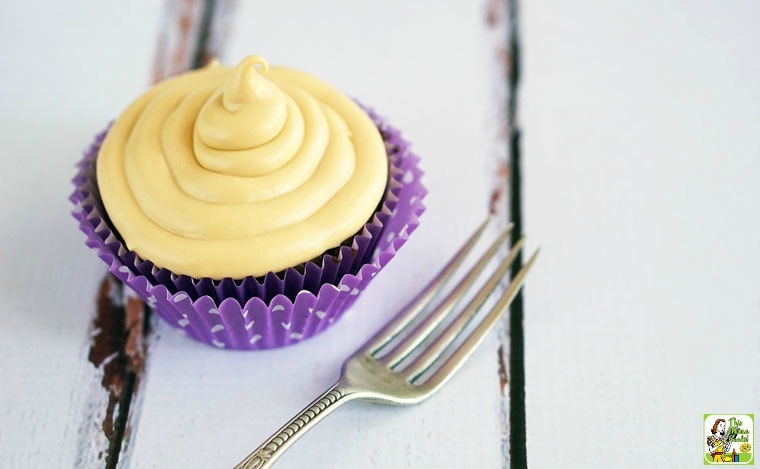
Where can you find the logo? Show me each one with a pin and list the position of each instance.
(729, 439)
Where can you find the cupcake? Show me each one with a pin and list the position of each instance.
(248, 207)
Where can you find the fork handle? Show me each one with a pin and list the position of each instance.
(266, 454)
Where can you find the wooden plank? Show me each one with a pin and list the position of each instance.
(424, 68)
(64, 78)
(640, 168)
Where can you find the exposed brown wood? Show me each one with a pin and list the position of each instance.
(503, 375)
(118, 348)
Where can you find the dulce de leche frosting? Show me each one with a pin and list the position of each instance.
(225, 172)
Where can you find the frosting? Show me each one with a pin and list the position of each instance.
(226, 172)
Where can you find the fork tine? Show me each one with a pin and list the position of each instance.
(428, 325)
(407, 314)
(464, 350)
(452, 331)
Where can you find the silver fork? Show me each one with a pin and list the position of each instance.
(405, 363)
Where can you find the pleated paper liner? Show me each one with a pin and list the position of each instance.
(280, 308)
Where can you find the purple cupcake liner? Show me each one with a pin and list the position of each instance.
(278, 309)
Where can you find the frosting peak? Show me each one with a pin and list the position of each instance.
(246, 86)
(233, 172)
(246, 112)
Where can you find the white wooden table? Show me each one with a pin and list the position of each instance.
(640, 169)
(642, 182)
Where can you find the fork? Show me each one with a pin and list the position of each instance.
(408, 360)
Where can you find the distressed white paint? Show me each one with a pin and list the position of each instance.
(641, 169)
(67, 68)
(424, 67)
(71, 69)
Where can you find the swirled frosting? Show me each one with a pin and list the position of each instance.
(225, 172)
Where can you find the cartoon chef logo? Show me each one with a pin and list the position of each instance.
(729, 439)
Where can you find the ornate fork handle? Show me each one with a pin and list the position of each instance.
(266, 454)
